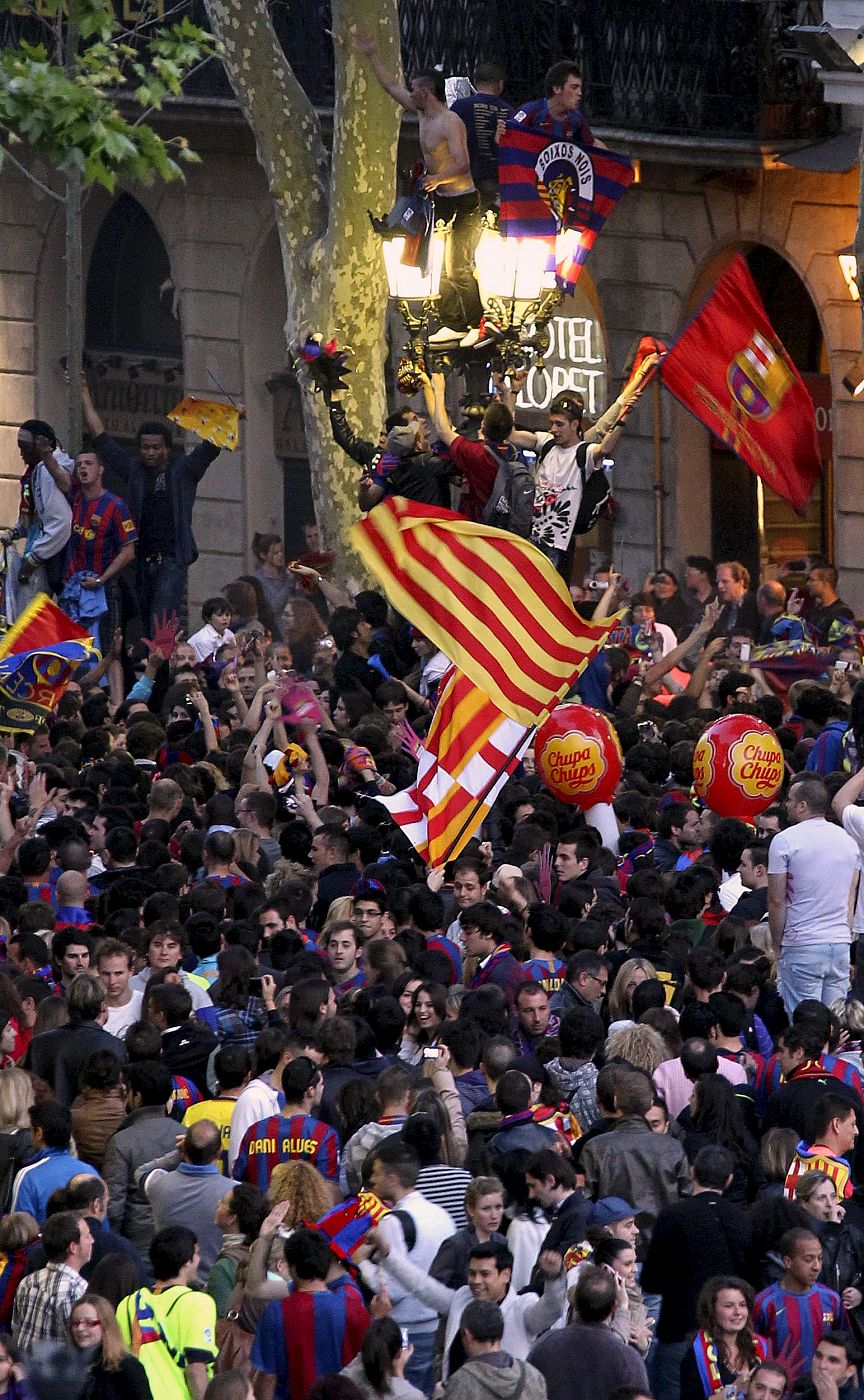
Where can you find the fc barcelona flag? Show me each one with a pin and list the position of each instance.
(38, 657)
(558, 190)
(471, 750)
(730, 369)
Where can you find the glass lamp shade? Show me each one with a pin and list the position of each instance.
(408, 283)
(849, 267)
(512, 269)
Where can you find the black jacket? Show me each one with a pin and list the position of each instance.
(186, 1050)
(569, 1224)
(58, 1056)
(693, 1240)
(183, 476)
(128, 1382)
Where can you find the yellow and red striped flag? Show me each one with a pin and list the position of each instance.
(470, 751)
(488, 599)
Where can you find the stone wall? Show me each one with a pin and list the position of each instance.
(648, 267)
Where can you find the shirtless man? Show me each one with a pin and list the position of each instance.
(444, 143)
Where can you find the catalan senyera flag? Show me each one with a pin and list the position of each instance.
(489, 600)
(558, 190)
(731, 371)
(39, 655)
(470, 751)
(218, 423)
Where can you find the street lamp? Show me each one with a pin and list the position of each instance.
(516, 278)
(849, 267)
(413, 291)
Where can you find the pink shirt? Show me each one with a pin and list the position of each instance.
(675, 1088)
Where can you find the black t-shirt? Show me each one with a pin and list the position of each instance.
(156, 526)
(481, 114)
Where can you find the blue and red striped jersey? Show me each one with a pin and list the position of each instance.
(801, 1319)
(281, 1139)
(308, 1335)
(437, 942)
(550, 978)
(771, 1077)
(100, 529)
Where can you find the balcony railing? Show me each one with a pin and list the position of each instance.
(677, 67)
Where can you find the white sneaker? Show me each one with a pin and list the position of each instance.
(444, 337)
(474, 338)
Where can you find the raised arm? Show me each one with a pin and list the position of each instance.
(612, 420)
(443, 427)
(365, 44)
(95, 426)
(848, 794)
(520, 437)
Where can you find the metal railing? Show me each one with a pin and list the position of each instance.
(677, 67)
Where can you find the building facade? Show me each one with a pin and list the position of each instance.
(736, 150)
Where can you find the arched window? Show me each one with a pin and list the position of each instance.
(130, 294)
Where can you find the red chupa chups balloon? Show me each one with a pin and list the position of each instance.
(738, 766)
(578, 756)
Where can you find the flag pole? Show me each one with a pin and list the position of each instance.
(520, 743)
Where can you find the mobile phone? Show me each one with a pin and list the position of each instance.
(841, 665)
(403, 1332)
(256, 986)
(430, 1052)
(745, 651)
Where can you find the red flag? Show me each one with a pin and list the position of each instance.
(42, 624)
(730, 369)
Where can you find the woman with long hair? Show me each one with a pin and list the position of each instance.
(630, 1319)
(379, 1368)
(272, 576)
(308, 1195)
(303, 628)
(427, 1014)
(112, 1373)
(630, 974)
(725, 1348)
(240, 1015)
(16, 1142)
(716, 1119)
(639, 1046)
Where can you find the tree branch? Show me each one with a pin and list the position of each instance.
(34, 180)
(283, 120)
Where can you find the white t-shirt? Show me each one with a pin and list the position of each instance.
(853, 822)
(120, 1018)
(820, 862)
(559, 491)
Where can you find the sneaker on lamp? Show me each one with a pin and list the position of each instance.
(478, 336)
(444, 336)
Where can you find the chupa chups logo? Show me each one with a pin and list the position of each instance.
(573, 762)
(756, 764)
(703, 765)
(565, 176)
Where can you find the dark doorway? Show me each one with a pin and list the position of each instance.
(749, 522)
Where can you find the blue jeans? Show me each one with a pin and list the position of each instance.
(420, 1370)
(665, 1371)
(161, 590)
(814, 971)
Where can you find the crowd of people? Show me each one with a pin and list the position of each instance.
(286, 1115)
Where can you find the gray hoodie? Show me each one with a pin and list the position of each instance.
(496, 1376)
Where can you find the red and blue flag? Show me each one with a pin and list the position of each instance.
(558, 190)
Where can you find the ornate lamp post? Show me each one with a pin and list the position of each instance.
(519, 294)
(414, 292)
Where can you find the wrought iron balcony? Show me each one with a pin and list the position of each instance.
(675, 67)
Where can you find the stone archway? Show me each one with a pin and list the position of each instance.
(722, 510)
